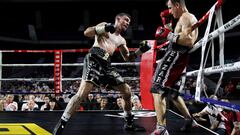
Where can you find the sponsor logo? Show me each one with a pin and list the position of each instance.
(22, 129)
(136, 114)
(225, 66)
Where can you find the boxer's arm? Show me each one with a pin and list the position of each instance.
(91, 31)
(144, 46)
(187, 37)
(131, 56)
(124, 51)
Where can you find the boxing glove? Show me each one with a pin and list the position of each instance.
(165, 33)
(143, 47)
(109, 27)
(166, 17)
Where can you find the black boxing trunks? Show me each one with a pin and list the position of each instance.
(98, 70)
(169, 70)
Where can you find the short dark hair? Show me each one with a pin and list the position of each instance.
(182, 2)
(124, 14)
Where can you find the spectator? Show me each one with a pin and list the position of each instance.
(236, 129)
(91, 103)
(119, 104)
(104, 104)
(1, 102)
(98, 98)
(9, 104)
(46, 103)
(1, 105)
(236, 124)
(53, 105)
(215, 117)
(31, 106)
(134, 96)
(137, 104)
(238, 86)
(238, 90)
(27, 99)
(59, 99)
(229, 115)
(229, 89)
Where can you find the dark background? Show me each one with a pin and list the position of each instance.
(59, 24)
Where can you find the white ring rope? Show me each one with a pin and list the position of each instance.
(226, 27)
(219, 22)
(229, 25)
(67, 64)
(51, 79)
(199, 82)
(231, 67)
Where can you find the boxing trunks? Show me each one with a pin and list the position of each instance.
(98, 70)
(169, 70)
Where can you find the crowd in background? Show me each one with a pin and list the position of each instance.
(217, 119)
(18, 97)
(39, 96)
(50, 102)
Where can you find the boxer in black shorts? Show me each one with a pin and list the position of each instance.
(170, 68)
(98, 70)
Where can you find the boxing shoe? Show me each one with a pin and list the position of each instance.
(188, 122)
(160, 131)
(58, 130)
(130, 126)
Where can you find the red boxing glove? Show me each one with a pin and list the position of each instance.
(165, 33)
(166, 17)
(162, 32)
(165, 13)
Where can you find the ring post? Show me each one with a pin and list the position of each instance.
(148, 61)
(58, 71)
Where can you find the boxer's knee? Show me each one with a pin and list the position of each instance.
(127, 92)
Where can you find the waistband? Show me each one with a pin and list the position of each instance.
(99, 52)
(179, 48)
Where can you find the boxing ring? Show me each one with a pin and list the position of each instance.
(96, 122)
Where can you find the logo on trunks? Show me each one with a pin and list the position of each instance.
(165, 67)
(106, 56)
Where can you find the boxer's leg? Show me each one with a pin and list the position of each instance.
(125, 90)
(126, 95)
(75, 101)
(160, 108)
(73, 105)
(91, 75)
